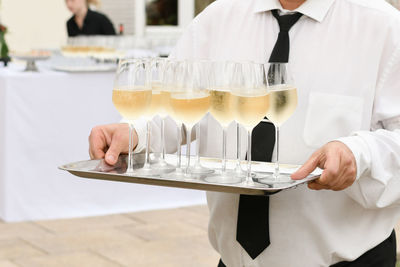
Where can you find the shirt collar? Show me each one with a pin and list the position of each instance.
(315, 9)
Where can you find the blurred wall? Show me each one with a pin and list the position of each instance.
(120, 12)
(34, 23)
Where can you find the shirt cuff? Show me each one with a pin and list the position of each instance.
(140, 126)
(361, 153)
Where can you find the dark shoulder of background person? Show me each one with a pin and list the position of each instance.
(106, 26)
(72, 28)
(95, 24)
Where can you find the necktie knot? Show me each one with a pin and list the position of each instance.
(280, 53)
(286, 21)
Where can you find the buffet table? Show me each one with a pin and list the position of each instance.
(45, 120)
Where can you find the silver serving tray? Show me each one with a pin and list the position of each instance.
(98, 169)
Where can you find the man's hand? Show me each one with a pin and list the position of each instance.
(338, 163)
(109, 141)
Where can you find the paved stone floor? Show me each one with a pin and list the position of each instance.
(174, 237)
(167, 238)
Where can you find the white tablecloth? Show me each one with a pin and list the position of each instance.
(45, 120)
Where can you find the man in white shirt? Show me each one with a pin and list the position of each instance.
(345, 59)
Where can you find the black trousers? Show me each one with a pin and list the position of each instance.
(383, 255)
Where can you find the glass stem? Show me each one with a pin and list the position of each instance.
(277, 173)
(147, 155)
(238, 144)
(163, 140)
(130, 151)
(248, 178)
(188, 141)
(179, 137)
(198, 144)
(223, 150)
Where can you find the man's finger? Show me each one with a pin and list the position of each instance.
(315, 186)
(116, 147)
(308, 167)
(97, 145)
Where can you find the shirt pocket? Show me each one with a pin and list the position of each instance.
(331, 116)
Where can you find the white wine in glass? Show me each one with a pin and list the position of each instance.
(131, 96)
(251, 107)
(222, 109)
(251, 101)
(159, 106)
(221, 106)
(172, 76)
(159, 101)
(283, 103)
(190, 107)
(131, 103)
(202, 67)
(189, 101)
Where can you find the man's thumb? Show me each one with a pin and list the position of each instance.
(113, 152)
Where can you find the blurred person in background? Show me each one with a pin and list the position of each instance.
(86, 21)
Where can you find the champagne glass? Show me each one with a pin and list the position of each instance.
(283, 103)
(189, 101)
(204, 68)
(131, 97)
(172, 77)
(250, 101)
(222, 109)
(159, 106)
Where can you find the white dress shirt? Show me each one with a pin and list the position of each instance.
(345, 59)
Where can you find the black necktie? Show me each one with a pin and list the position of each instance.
(253, 214)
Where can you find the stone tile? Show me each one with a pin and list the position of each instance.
(76, 259)
(16, 249)
(7, 264)
(199, 209)
(19, 230)
(84, 240)
(166, 216)
(85, 224)
(164, 231)
(180, 252)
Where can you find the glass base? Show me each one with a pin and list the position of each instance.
(130, 171)
(249, 182)
(179, 174)
(227, 177)
(239, 172)
(198, 169)
(147, 171)
(163, 166)
(272, 179)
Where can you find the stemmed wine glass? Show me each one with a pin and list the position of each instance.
(204, 68)
(283, 103)
(159, 106)
(250, 101)
(190, 101)
(131, 97)
(221, 75)
(173, 72)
